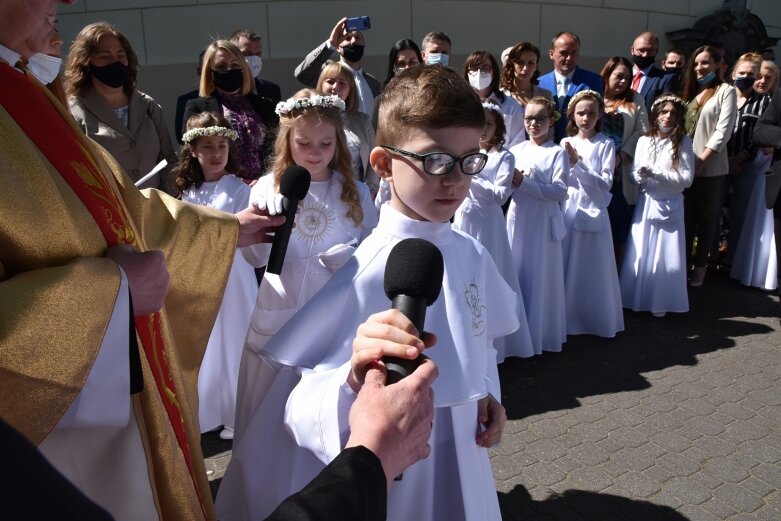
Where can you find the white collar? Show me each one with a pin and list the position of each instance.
(9, 56)
(354, 71)
(560, 78)
(396, 224)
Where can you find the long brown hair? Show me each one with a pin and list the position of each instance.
(626, 98)
(188, 171)
(341, 162)
(507, 80)
(78, 79)
(690, 85)
(676, 136)
(572, 127)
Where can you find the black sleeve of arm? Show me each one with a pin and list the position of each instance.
(767, 132)
(351, 488)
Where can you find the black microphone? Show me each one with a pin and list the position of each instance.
(413, 280)
(294, 185)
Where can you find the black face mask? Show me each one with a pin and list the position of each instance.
(230, 80)
(643, 61)
(352, 53)
(114, 75)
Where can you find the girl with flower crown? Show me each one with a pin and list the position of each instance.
(205, 176)
(535, 226)
(336, 214)
(593, 297)
(481, 216)
(653, 275)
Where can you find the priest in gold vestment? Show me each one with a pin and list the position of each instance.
(77, 268)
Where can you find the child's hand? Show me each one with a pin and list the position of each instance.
(572, 153)
(386, 333)
(492, 416)
(517, 177)
(643, 174)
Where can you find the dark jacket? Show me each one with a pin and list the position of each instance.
(767, 133)
(658, 82)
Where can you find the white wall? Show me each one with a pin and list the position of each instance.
(169, 34)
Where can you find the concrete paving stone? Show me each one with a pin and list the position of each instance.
(761, 451)
(662, 404)
(607, 424)
(665, 498)
(653, 449)
(542, 429)
(774, 500)
(719, 508)
(767, 513)
(639, 485)
(624, 401)
(545, 450)
(567, 463)
(625, 417)
(588, 432)
(714, 446)
(666, 422)
(612, 468)
(693, 513)
(589, 478)
(736, 411)
(707, 480)
(706, 425)
(688, 491)
(742, 499)
(770, 474)
(504, 473)
(738, 432)
(762, 421)
(610, 445)
(543, 473)
(589, 454)
(758, 486)
(771, 397)
(629, 436)
(772, 413)
(727, 470)
(633, 459)
(699, 406)
(679, 464)
(689, 433)
(660, 473)
(671, 442)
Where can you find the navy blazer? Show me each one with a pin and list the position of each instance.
(581, 80)
(268, 90)
(658, 82)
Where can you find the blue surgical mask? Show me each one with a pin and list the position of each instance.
(44, 67)
(707, 79)
(664, 129)
(746, 82)
(434, 58)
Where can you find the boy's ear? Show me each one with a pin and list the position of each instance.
(380, 159)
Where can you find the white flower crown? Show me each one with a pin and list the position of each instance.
(582, 94)
(315, 100)
(671, 99)
(490, 105)
(195, 133)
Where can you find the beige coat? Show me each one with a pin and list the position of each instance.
(360, 124)
(635, 125)
(714, 128)
(137, 147)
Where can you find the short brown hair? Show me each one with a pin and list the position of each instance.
(78, 78)
(426, 96)
(243, 33)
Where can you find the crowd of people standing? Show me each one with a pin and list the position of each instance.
(590, 192)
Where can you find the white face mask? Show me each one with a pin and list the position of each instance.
(434, 58)
(664, 129)
(255, 64)
(44, 67)
(479, 80)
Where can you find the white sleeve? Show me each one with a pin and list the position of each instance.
(104, 400)
(317, 412)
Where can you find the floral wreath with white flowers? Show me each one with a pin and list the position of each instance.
(329, 101)
(195, 133)
(490, 105)
(582, 94)
(671, 98)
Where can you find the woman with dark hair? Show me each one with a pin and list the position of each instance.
(624, 121)
(710, 118)
(482, 72)
(520, 74)
(403, 55)
(100, 74)
(226, 88)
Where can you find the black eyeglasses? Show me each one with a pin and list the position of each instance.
(441, 163)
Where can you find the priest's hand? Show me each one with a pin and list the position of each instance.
(147, 276)
(491, 418)
(388, 333)
(395, 421)
(256, 225)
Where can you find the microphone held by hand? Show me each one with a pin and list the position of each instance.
(293, 185)
(413, 281)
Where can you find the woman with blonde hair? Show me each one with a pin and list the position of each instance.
(337, 79)
(226, 88)
(100, 74)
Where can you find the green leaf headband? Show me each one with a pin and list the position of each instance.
(195, 133)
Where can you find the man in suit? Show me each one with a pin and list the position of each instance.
(567, 78)
(251, 47)
(647, 79)
(347, 47)
(767, 133)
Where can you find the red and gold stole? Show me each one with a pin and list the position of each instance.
(32, 110)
